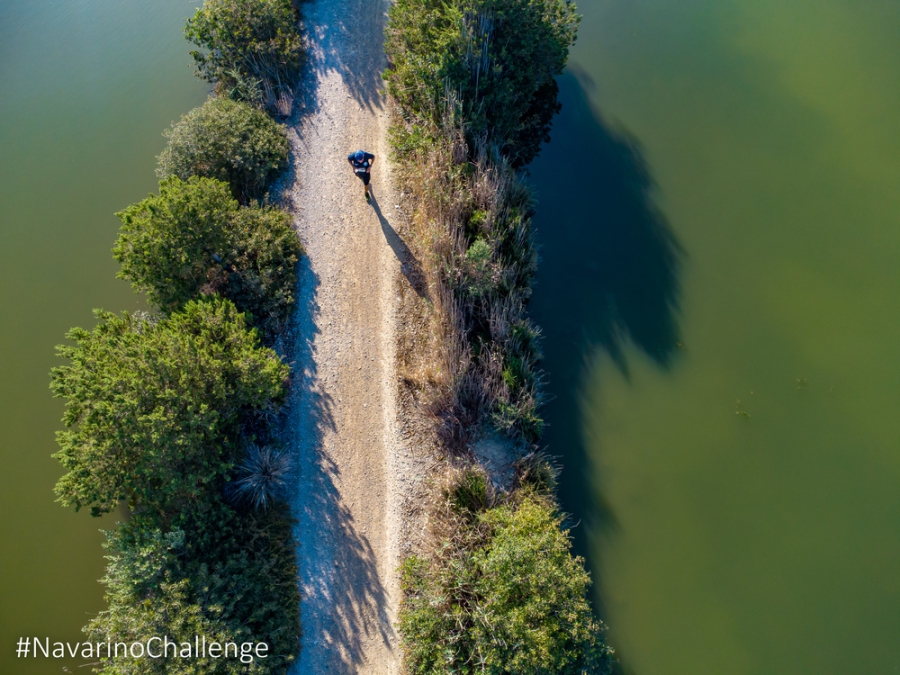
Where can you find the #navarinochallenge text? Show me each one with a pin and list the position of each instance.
(154, 648)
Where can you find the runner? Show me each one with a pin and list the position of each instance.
(362, 161)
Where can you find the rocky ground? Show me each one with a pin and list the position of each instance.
(356, 475)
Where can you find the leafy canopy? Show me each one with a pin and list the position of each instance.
(494, 61)
(167, 241)
(193, 238)
(252, 48)
(229, 141)
(232, 580)
(508, 597)
(153, 407)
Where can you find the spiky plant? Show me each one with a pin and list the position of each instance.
(264, 476)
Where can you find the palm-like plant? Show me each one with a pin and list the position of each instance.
(264, 476)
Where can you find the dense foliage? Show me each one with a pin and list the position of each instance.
(227, 575)
(193, 238)
(174, 412)
(153, 407)
(499, 591)
(230, 141)
(505, 596)
(495, 60)
(251, 48)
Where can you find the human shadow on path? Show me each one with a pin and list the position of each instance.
(409, 264)
(609, 276)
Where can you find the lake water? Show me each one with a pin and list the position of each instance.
(720, 296)
(86, 87)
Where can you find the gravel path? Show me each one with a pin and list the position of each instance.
(343, 413)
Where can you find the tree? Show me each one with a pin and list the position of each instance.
(494, 60)
(229, 141)
(153, 406)
(253, 49)
(193, 238)
(504, 595)
(531, 615)
(168, 242)
(263, 255)
(232, 580)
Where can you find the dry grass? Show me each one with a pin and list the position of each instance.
(475, 358)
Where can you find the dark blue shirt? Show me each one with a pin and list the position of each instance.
(360, 167)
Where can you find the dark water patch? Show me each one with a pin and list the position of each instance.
(609, 274)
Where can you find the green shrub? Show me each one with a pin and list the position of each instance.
(479, 270)
(194, 238)
(469, 491)
(167, 241)
(532, 616)
(496, 59)
(512, 600)
(153, 407)
(539, 473)
(229, 141)
(519, 418)
(252, 48)
(238, 586)
(263, 256)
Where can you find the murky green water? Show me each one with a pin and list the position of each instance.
(726, 363)
(86, 87)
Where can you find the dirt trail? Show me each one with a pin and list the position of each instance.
(343, 411)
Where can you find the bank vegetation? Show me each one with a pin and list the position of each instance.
(495, 588)
(173, 411)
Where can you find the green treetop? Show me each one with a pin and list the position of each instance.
(227, 575)
(252, 48)
(495, 60)
(230, 141)
(193, 238)
(153, 407)
(504, 596)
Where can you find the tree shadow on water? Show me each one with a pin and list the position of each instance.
(609, 277)
(611, 261)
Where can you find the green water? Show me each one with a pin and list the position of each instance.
(724, 348)
(86, 87)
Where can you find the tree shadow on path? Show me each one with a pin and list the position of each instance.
(342, 43)
(609, 276)
(338, 567)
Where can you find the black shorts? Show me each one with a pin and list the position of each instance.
(363, 176)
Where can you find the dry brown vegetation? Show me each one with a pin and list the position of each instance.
(473, 358)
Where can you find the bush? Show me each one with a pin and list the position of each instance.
(229, 141)
(507, 598)
(468, 494)
(495, 60)
(194, 238)
(252, 48)
(532, 614)
(167, 242)
(238, 586)
(478, 269)
(153, 407)
(263, 256)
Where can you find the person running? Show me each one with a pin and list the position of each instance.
(362, 161)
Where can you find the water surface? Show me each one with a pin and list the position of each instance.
(86, 87)
(720, 294)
